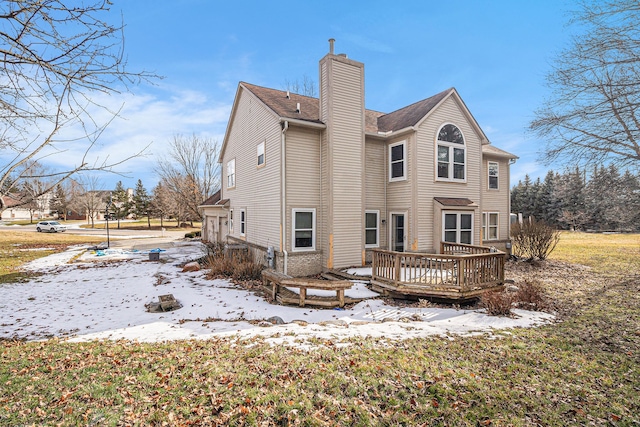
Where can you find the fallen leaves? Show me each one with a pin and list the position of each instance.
(552, 372)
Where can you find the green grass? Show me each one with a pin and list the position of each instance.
(583, 370)
(18, 248)
(604, 253)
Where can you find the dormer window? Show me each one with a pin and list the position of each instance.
(451, 154)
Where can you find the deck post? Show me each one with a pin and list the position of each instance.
(397, 268)
(303, 296)
(374, 263)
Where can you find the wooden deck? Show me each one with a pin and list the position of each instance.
(459, 272)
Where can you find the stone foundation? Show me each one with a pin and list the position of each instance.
(298, 263)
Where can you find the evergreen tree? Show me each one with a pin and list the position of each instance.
(140, 202)
(551, 209)
(523, 198)
(59, 202)
(629, 202)
(120, 205)
(572, 195)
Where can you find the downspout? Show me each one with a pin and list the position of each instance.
(386, 183)
(283, 198)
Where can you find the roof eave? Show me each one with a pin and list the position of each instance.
(304, 123)
(391, 133)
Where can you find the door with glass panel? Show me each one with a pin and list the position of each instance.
(398, 232)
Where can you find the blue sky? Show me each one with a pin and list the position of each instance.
(495, 53)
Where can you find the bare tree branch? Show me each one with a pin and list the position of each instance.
(55, 58)
(191, 172)
(592, 114)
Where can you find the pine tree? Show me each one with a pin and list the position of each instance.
(550, 206)
(572, 195)
(522, 197)
(59, 203)
(629, 202)
(140, 202)
(120, 205)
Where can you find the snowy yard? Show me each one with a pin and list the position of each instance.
(104, 297)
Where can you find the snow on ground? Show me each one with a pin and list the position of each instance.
(84, 295)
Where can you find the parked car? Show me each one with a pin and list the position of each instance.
(51, 226)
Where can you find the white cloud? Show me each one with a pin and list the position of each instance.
(153, 117)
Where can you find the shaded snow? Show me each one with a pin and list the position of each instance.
(104, 297)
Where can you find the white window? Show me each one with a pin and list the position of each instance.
(304, 232)
(493, 175)
(231, 173)
(490, 226)
(243, 222)
(458, 227)
(397, 161)
(451, 154)
(371, 231)
(231, 220)
(260, 153)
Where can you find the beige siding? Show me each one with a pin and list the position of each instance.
(325, 166)
(303, 178)
(257, 189)
(343, 104)
(497, 200)
(375, 183)
(428, 188)
(399, 193)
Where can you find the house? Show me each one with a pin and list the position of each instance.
(311, 184)
(17, 209)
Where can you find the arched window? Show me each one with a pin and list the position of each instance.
(451, 154)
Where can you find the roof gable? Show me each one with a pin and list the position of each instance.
(284, 106)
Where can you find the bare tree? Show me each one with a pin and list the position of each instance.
(593, 112)
(306, 87)
(55, 58)
(90, 198)
(162, 202)
(191, 172)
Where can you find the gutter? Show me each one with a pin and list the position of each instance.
(299, 122)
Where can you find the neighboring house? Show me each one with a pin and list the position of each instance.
(324, 181)
(15, 209)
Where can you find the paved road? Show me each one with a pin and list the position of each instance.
(121, 238)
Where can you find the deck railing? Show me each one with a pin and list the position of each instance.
(460, 268)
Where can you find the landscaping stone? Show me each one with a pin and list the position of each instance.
(192, 266)
(275, 320)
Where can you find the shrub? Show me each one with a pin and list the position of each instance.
(236, 264)
(497, 303)
(247, 270)
(530, 296)
(533, 239)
